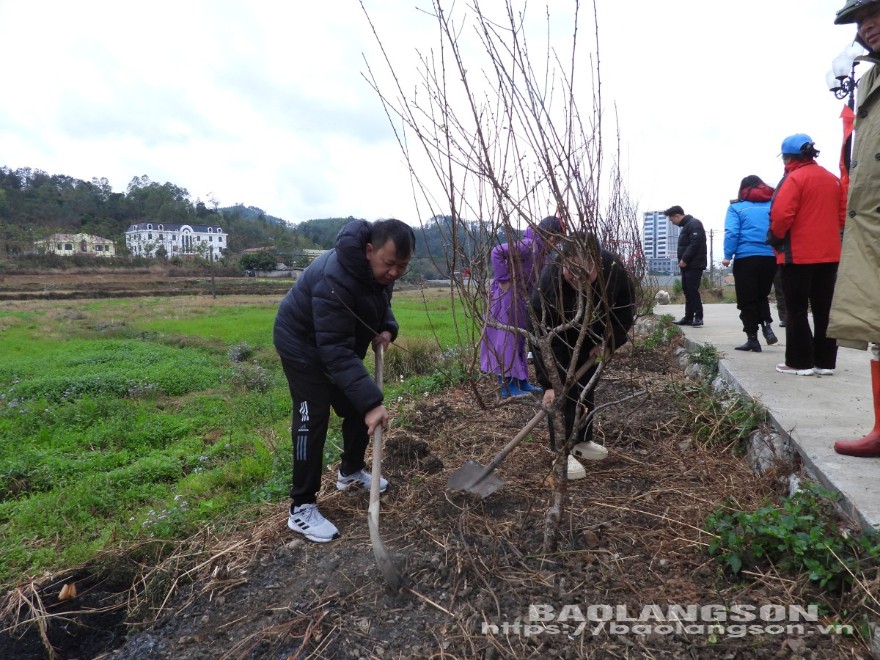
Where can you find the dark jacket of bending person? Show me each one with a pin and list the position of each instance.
(611, 307)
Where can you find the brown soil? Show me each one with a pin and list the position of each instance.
(630, 538)
(78, 284)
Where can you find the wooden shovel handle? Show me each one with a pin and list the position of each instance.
(377, 438)
(531, 424)
(380, 364)
(510, 446)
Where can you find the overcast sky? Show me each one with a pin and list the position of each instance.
(263, 102)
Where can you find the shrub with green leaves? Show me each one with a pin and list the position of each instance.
(664, 332)
(799, 536)
(707, 356)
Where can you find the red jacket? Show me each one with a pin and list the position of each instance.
(808, 213)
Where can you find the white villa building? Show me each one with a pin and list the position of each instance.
(68, 245)
(146, 238)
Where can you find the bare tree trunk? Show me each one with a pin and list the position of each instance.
(556, 510)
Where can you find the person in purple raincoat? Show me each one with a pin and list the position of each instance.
(516, 266)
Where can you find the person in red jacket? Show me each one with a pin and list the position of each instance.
(806, 217)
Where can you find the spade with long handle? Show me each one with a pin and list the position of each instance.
(389, 570)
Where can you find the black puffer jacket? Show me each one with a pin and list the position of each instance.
(328, 319)
(555, 302)
(692, 244)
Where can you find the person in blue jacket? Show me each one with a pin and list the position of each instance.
(339, 306)
(754, 261)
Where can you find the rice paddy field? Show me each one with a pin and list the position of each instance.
(133, 418)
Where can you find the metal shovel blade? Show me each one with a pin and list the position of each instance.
(474, 478)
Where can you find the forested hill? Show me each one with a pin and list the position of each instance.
(431, 258)
(35, 204)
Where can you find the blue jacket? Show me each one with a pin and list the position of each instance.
(745, 230)
(328, 319)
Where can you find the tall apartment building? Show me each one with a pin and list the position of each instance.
(660, 243)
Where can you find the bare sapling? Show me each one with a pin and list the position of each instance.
(501, 124)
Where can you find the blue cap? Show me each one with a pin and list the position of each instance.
(794, 144)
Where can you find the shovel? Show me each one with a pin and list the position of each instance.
(474, 478)
(383, 560)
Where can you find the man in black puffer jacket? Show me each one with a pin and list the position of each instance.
(338, 307)
(692, 261)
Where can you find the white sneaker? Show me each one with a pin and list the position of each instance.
(785, 369)
(575, 470)
(308, 521)
(590, 451)
(360, 479)
(823, 372)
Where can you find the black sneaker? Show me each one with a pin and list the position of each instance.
(697, 323)
(683, 321)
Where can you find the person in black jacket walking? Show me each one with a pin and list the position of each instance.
(339, 306)
(692, 262)
(592, 279)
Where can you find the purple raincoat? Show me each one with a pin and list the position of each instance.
(516, 266)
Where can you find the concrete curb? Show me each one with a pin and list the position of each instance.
(810, 412)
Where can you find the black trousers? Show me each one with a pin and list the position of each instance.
(569, 410)
(690, 285)
(752, 280)
(313, 395)
(809, 287)
(780, 296)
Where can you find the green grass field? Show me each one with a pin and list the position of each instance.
(144, 418)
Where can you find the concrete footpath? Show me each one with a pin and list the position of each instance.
(812, 411)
